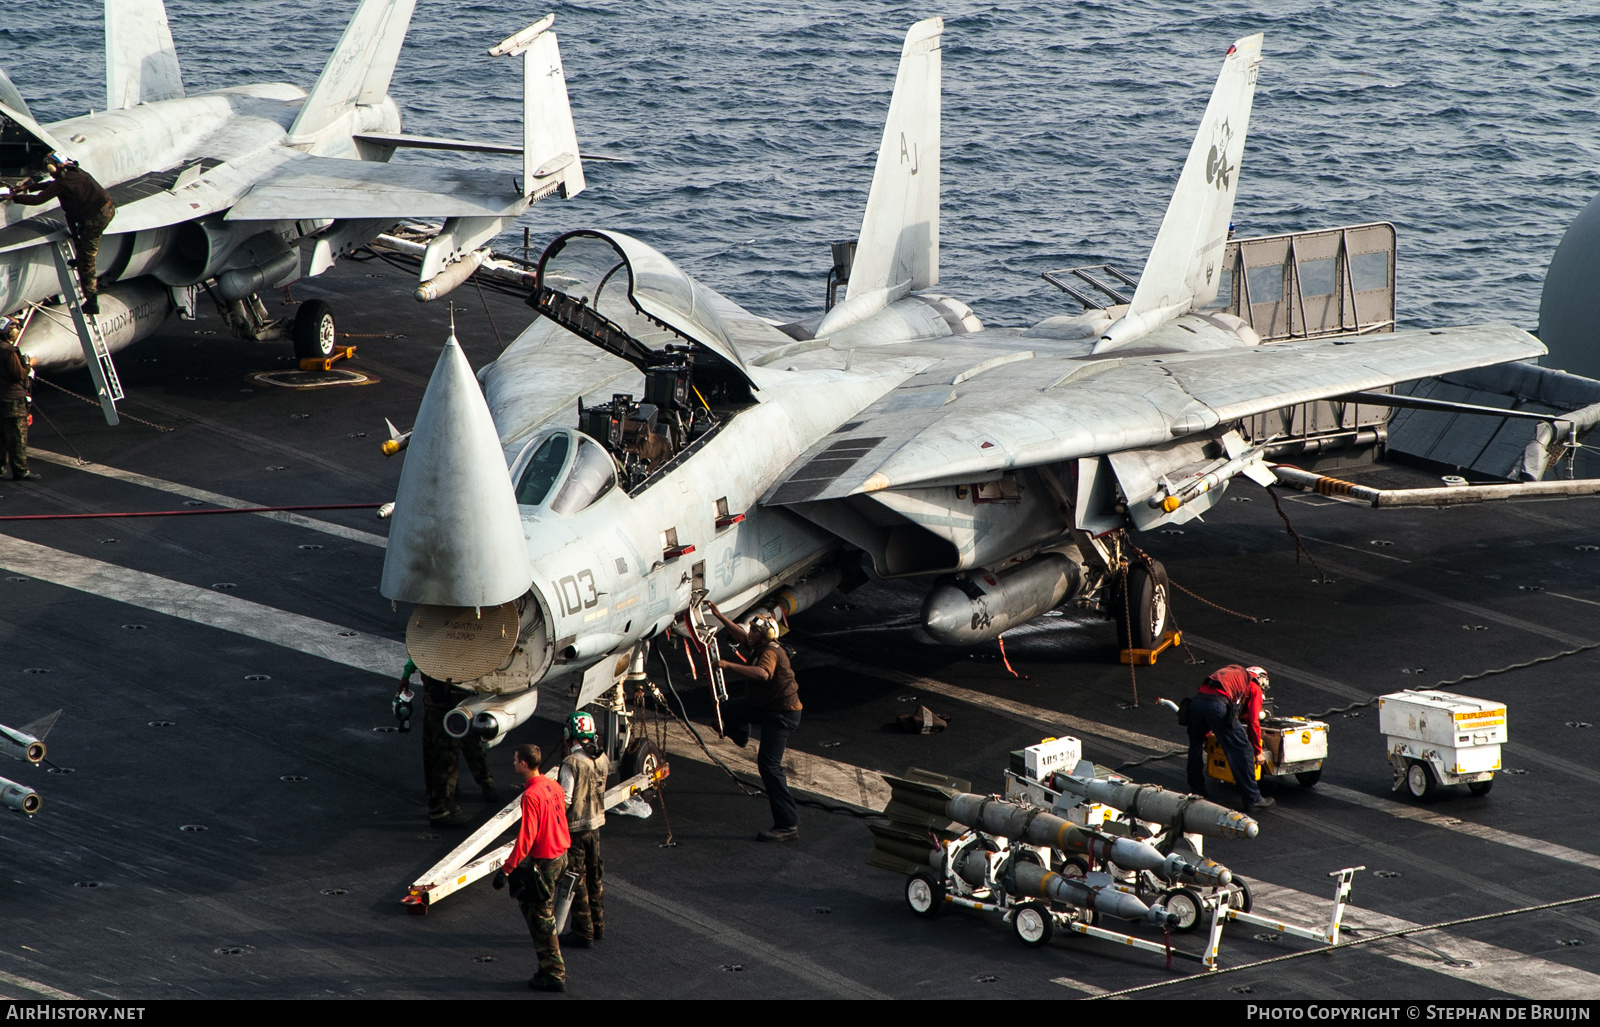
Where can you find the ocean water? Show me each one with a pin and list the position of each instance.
(751, 126)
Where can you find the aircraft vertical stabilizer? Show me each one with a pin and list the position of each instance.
(550, 159)
(1185, 264)
(141, 62)
(359, 70)
(898, 252)
(10, 97)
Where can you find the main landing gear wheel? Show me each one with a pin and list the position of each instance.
(1186, 905)
(1033, 925)
(1144, 594)
(1421, 782)
(314, 331)
(924, 895)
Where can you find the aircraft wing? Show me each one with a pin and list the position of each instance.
(330, 187)
(969, 419)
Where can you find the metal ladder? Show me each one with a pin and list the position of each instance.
(706, 634)
(107, 386)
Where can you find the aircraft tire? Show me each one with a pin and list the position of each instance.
(315, 331)
(1146, 594)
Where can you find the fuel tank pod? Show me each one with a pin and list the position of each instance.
(456, 537)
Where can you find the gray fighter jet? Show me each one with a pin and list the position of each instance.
(252, 187)
(665, 445)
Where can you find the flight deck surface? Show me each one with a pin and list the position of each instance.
(234, 826)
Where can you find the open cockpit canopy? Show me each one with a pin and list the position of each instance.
(628, 299)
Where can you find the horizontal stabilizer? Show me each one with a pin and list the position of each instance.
(141, 62)
(328, 187)
(434, 143)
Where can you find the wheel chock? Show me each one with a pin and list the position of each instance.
(1147, 657)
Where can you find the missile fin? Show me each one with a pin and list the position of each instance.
(42, 726)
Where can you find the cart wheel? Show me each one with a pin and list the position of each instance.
(1239, 898)
(1075, 867)
(1187, 906)
(1480, 787)
(1421, 782)
(924, 895)
(1309, 778)
(1033, 924)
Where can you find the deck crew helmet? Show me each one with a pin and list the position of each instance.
(1260, 677)
(579, 726)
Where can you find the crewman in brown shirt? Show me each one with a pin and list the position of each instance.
(772, 701)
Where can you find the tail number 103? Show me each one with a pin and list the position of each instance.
(577, 593)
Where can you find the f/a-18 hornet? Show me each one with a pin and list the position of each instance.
(253, 187)
(664, 445)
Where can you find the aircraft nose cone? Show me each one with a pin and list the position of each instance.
(456, 536)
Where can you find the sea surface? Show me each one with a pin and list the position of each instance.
(751, 127)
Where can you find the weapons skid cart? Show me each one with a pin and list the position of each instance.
(1004, 863)
(1051, 775)
(1440, 738)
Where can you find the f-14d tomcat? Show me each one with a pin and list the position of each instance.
(249, 188)
(664, 444)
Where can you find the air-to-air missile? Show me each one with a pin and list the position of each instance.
(27, 742)
(929, 805)
(19, 797)
(1156, 804)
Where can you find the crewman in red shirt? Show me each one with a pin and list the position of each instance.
(1228, 705)
(538, 860)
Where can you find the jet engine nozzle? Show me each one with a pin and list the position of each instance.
(456, 537)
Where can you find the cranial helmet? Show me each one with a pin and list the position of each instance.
(764, 627)
(580, 726)
(1260, 677)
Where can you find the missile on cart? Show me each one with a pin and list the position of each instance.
(1154, 803)
(27, 742)
(1006, 819)
(19, 797)
(900, 849)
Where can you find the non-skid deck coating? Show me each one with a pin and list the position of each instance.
(234, 632)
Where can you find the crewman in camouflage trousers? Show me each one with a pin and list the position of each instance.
(16, 386)
(583, 778)
(442, 755)
(537, 862)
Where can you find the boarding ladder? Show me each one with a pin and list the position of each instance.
(107, 386)
(705, 636)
